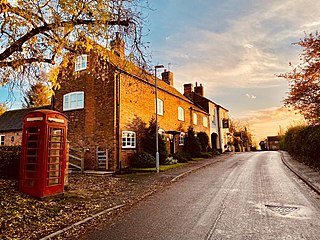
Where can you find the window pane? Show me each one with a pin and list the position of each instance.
(73, 103)
(66, 102)
(80, 100)
(160, 106)
(78, 63)
(84, 62)
(128, 139)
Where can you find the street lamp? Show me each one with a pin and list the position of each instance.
(156, 96)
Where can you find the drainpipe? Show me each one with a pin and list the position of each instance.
(118, 119)
(219, 128)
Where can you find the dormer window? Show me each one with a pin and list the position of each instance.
(81, 62)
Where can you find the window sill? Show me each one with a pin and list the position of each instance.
(73, 109)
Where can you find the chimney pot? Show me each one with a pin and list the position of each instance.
(199, 89)
(167, 77)
(188, 88)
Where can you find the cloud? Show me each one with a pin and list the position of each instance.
(246, 52)
(249, 46)
(237, 50)
(268, 122)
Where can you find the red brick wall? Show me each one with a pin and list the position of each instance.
(138, 100)
(95, 125)
(92, 126)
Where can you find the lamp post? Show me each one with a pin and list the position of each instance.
(156, 96)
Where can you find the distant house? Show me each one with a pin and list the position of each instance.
(273, 143)
(218, 120)
(11, 123)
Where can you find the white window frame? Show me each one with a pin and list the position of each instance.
(205, 121)
(180, 114)
(2, 140)
(159, 106)
(79, 101)
(181, 139)
(128, 139)
(195, 119)
(81, 62)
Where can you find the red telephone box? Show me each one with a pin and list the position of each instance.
(43, 153)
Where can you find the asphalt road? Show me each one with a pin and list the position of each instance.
(248, 196)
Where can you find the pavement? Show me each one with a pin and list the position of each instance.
(307, 174)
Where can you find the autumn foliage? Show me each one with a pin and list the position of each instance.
(35, 35)
(304, 81)
(38, 95)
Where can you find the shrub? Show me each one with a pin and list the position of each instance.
(9, 161)
(191, 143)
(303, 143)
(182, 157)
(149, 142)
(143, 160)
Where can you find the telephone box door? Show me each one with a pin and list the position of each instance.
(43, 153)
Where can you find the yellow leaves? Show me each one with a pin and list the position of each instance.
(4, 6)
(53, 76)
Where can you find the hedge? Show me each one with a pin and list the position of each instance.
(303, 143)
(9, 161)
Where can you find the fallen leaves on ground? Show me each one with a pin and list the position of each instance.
(26, 217)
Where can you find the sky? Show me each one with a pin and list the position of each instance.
(235, 49)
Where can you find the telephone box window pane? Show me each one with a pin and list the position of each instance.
(32, 152)
(54, 170)
(54, 152)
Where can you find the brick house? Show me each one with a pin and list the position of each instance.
(11, 123)
(218, 120)
(273, 143)
(107, 99)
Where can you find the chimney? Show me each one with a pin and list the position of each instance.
(167, 77)
(188, 88)
(199, 89)
(117, 45)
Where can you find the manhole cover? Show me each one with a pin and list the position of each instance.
(283, 210)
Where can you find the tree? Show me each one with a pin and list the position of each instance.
(242, 136)
(304, 80)
(38, 95)
(3, 108)
(149, 142)
(191, 143)
(38, 34)
(204, 141)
